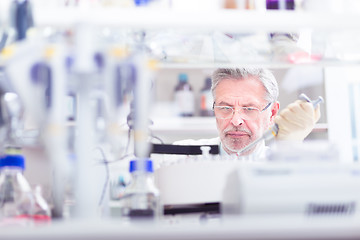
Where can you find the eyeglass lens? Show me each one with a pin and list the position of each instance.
(246, 113)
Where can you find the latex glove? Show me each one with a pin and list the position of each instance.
(297, 120)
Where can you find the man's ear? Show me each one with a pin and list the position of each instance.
(274, 111)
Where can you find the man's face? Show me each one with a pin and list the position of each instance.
(235, 132)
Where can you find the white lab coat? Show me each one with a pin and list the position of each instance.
(258, 155)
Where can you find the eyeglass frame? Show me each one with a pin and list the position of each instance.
(233, 110)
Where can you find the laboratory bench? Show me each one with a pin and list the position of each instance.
(246, 227)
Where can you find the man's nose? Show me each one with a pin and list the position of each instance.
(236, 119)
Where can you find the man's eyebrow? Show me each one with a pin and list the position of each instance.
(250, 105)
(223, 103)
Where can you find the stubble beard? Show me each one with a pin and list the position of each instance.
(234, 145)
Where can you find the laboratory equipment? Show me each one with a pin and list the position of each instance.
(16, 199)
(193, 184)
(305, 188)
(182, 149)
(304, 179)
(21, 18)
(11, 120)
(311, 150)
(141, 197)
(273, 131)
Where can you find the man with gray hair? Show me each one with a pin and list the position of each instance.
(246, 105)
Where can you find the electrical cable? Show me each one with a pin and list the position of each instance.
(106, 162)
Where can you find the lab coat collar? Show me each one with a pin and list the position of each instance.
(258, 154)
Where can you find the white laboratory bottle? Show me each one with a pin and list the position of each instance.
(16, 198)
(184, 97)
(141, 197)
(206, 99)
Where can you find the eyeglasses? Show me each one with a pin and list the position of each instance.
(247, 113)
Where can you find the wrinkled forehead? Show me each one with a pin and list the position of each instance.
(249, 90)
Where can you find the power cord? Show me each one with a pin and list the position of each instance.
(106, 162)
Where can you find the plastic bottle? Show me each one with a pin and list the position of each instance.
(206, 99)
(184, 97)
(16, 198)
(141, 197)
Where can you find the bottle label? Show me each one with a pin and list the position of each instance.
(185, 102)
(206, 101)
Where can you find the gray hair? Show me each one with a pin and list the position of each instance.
(263, 75)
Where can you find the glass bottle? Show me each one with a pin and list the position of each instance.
(141, 197)
(184, 97)
(280, 4)
(16, 198)
(206, 99)
(42, 211)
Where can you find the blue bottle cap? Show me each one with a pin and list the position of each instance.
(135, 166)
(141, 2)
(13, 161)
(183, 77)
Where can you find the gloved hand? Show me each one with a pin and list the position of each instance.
(297, 120)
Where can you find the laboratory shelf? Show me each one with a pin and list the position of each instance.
(231, 20)
(194, 27)
(267, 64)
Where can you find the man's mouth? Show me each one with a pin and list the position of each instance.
(237, 134)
